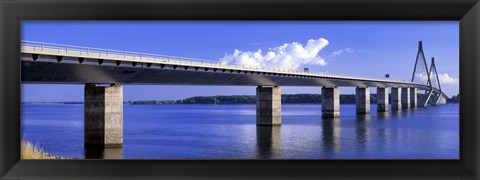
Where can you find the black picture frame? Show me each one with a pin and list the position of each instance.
(465, 11)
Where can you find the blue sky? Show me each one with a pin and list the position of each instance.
(360, 48)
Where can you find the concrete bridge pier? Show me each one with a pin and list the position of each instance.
(382, 99)
(363, 100)
(103, 115)
(396, 99)
(405, 98)
(269, 105)
(413, 98)
(330, 102)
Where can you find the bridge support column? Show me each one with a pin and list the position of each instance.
(396, 101)
(103, 116)
(269, 105)
(363, 100)
(406, 98)
(413, 97)
(382, 99)
(330, 102)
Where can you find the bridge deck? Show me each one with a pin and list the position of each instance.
(112, 66)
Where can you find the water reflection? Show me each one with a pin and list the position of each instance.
(103, 153)
(383, 115)
(268, 141)
(304, 134)
(382, 132)
(331, 134)
(362, 131)
(395, 114)
(406, 113)
(383, 137)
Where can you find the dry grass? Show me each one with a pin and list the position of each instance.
(34, 151)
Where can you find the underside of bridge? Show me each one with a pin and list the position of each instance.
(71, 70)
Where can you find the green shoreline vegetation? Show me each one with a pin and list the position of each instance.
(246, 99)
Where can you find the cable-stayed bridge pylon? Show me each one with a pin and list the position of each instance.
(428, 76)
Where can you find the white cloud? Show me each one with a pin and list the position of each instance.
(287, 56)
(445, 79)
(421, 78)
(340, 52)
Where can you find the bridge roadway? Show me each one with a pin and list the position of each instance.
(108, 66)
(66, 64)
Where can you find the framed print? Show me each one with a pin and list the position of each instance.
(201, 89)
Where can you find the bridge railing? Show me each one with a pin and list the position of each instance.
(128, 55)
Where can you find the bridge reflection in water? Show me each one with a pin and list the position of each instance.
(362, 132)
(304, 135)
(268, 142)
(331, 134)
(103, 153)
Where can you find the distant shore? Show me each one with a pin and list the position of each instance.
(244, 99)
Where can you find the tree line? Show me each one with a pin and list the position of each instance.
(454, 99)
(250, 99)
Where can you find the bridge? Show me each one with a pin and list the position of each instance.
(104, 71)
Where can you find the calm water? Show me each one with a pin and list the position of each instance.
(230, 132)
